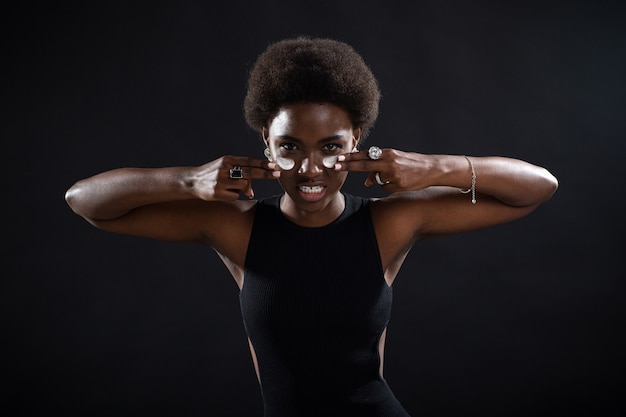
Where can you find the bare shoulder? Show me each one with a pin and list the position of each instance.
(399, 211)
(218, 221)
(399, 220)
(407, 213)
(228, 214)
(227, 227)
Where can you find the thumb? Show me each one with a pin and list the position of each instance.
(249, 192)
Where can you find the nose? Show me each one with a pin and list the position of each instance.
(310, 167)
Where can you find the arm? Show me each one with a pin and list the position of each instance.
(173, 203)
(112, 194)
(511, 181)
(427, 200)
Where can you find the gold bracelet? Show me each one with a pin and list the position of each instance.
(473, 187)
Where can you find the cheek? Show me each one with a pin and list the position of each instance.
(285, 163)
(330, 161)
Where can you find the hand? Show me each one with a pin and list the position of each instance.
(212, 181)
(398, 170)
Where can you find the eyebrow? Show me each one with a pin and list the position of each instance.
(323, 140)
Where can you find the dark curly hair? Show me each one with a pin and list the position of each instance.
(303, 69)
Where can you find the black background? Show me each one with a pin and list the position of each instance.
(520, 319)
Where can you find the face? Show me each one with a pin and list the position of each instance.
(308, 137)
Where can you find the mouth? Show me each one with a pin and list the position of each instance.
(312, 192)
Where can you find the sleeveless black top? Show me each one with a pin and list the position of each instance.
(314, 304)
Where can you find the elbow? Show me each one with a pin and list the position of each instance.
(74, 197)
(71, 196)
(537, 191)
(551, 184)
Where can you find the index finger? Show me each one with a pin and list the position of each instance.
(247, 161)
(357, 161)
(260, 173)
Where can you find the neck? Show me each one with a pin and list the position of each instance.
(307, 217)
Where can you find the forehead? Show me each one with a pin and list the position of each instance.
(306, 119)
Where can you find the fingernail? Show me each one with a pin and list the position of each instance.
(271, 165)
(276, 174)
(341, 158)
(337, 167)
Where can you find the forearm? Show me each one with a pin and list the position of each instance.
(114, 193)
(512, 181)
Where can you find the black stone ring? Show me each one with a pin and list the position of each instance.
(236, 173)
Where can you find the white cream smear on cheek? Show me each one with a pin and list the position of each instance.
(285, 163)
(330, 161)
(288, 163)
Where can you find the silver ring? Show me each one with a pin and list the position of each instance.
(236, 173)
(379, 181)
(374, 152)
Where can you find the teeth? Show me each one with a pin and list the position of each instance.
(311, 190)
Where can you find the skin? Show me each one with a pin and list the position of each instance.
(201, 204)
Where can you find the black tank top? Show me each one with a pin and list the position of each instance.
(314, 304)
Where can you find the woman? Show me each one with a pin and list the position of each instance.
(314, 265)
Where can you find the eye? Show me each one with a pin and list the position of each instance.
(332, 147)
(288, 146)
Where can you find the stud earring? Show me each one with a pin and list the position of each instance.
(267, 154)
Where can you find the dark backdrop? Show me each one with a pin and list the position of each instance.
(521, 319)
